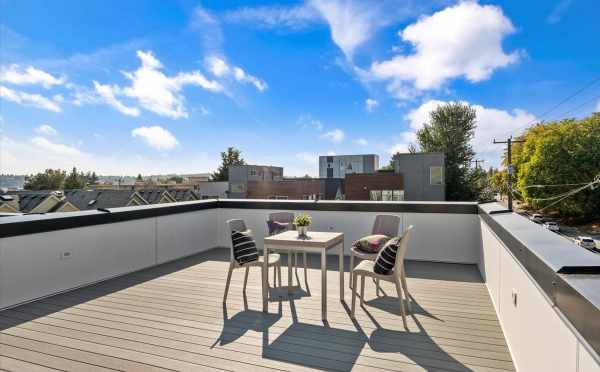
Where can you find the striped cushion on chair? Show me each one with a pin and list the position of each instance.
(244, 248)
(386, 259)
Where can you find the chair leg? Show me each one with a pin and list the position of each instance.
(351, 268)
(353, 278)
(362, 290)
(402, 311)
(228, 282)
(304, 258)
(406, 293)
(377, 287)
(246, 278)
(279, 275)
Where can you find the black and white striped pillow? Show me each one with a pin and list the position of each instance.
(386, 258)
(244, 248)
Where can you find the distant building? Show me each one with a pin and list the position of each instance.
(297, 188)
(213, 189)
(338, 166)
(181, 195)
(94, 199)
(156, 196)
(25, 201)
(240, 175)
(385, 186)
(424, 176)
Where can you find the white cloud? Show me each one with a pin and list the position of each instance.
(306, 121)
(27, 99)
(220, 68)
(464, 40)
(107, 94)
(156, 137)
(351, 22)
(402, 142)
(294, 17)
(46, 130)
(361, 142)
(335, 136)
(55, 148)
(153, 90)
(18, 75)
(558, 11)
(25, 157)
(491, 123)
(371, 104)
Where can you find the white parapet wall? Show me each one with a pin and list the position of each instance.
(41, 264)
(443, 237)
(538, 335)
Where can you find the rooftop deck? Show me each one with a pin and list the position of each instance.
(171, 317)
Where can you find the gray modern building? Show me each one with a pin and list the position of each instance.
(423, 176)
(338, 166)
(240, 175)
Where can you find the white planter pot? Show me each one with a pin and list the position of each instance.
(302, 230)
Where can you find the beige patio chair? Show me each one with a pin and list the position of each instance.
(274, 259)
(397, 276)
(385, 224)
(288, 217)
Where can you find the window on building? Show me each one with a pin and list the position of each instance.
(397, 195)
(435, 175)
(375, 195)
(253, 172)
(386, 195)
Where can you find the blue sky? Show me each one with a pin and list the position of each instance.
(127, 87)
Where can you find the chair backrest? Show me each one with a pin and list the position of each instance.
(386, 224)
(283, 217)
(234, 225)
(399, 264)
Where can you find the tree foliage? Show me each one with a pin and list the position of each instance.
(50, 179)
(556, 153)
(75, 180)
(450, 130)
(232, 156)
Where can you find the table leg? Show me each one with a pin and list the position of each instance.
(290, 271)
(341, 254)
(324, 284)
(265, 279)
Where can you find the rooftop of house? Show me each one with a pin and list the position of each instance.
(94, 199)
(142, 287)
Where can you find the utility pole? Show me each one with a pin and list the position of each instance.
(477, 162)
(509, 143)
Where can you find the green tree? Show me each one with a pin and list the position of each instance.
(230, 157)
(558, 153)
(450, 130)
(75, 180)
(139, 177)
(50, 179)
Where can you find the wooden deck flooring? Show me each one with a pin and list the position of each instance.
(171, 317)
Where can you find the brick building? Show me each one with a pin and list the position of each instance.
(375, 186)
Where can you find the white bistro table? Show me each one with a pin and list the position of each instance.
(315, 242)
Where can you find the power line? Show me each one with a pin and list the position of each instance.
(579, 91)
(564, 114)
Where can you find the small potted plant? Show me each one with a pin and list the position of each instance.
(302, 221)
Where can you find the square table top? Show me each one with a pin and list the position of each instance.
(318, 239)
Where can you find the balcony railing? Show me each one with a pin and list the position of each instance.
(475, 273)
